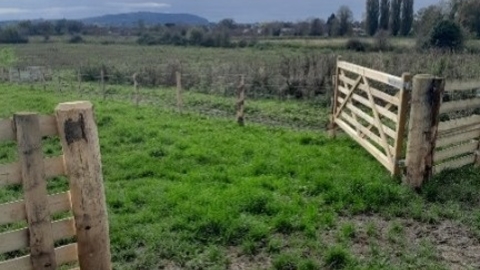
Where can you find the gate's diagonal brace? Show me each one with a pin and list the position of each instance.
(349, 96)
(377, 118)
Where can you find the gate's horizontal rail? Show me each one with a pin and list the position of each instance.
(11, 174)
(384, 160)
(390, 132)
(463, 149)
(376, 93)
(385, 78)
(48, 127)
(390, 115)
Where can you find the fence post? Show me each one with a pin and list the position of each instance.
(79, 78)
(241, 102)
(102, 82)
(178, 76)
(423, 128)
(403, 109)
(332, 128)
(35, 186)
(79, 139)
(477, 157)
(135, 89)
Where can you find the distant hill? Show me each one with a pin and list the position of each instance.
(149, 18)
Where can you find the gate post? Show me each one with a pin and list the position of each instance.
(332, 127)
(81, 149)
(423, 128)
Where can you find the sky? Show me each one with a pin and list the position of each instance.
(213, 10)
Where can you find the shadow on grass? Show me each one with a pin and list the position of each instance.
(461, 186)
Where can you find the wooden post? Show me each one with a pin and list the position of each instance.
(179, 91)
(477, 156)
(35, 187)
(79, 139)
(332, 128)
(241, 102)
(426, 100)
(135, 90)
(102, 81)
(403, 109)
(79, 78)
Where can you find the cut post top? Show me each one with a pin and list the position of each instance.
(76, 105)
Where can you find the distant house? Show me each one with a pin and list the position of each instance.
(359, 32)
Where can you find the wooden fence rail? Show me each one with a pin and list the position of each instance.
(80, 162)
(458, 143)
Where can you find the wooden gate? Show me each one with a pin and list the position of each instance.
(372, 108)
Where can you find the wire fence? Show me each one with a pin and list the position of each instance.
(232, 98)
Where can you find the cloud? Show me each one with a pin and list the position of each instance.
(12, 11)
(142, 5)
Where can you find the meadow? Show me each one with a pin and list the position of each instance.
(278, 68)
(193, 190)
(196, 191)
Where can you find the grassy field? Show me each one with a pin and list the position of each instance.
(190, 191)
(299, 71)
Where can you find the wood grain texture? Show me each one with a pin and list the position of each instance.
(463, 149)
(64, 254)
(367, 145)
(48, 127)
(30, 154)
(454, 164)
(19, 239)
(400, 132)
(372, 74)
(423, 128)
(81, 149)
(10, 174)
(452, 86)
(15, 211)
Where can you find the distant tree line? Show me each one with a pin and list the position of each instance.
(383, 18)
(395, 16)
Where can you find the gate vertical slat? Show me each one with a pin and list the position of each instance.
(42, 254)
(403, 110)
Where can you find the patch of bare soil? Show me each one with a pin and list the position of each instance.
(237, 261)
(451, 243)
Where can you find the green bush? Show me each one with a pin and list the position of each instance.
(12, 35)
(446, 35)
(357, 45)
(76, 39)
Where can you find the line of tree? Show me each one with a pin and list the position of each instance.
(396, 16)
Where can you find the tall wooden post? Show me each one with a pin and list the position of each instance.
(179, 91)
(79, 139)
(403, 109)
(241, 102)
(35, 186)
(477, 156)
(332, 128)
(79, 78)
(423, 128)
(102, 81)
(135, 90)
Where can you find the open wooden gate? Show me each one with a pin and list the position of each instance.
(372, 107)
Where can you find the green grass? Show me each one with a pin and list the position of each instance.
(200, 192)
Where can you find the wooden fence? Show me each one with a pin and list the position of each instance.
(372, 116)
(373, 108)
(42, 239)
(458, 142)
